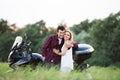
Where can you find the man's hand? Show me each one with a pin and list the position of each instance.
(43, 59)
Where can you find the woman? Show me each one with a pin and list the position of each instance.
(66, 53)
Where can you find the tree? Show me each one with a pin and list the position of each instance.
(6, 38)
(105, 38)
(84, 25)
(36, 33)
(81, 31)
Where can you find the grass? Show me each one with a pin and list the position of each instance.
(43, 73)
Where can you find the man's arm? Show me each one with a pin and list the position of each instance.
(45, 46)
(75, 45)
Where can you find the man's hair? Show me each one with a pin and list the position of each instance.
(60, 28)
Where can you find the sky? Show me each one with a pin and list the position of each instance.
(54, 12)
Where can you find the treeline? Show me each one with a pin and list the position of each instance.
(103, 35)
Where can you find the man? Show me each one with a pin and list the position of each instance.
(52, 42)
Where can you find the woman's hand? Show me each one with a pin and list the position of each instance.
(69, 44)
(56, 51)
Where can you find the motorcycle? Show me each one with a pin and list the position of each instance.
(21, 54)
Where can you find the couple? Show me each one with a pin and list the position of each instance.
(57, 49)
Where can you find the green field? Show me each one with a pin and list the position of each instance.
(42, 73)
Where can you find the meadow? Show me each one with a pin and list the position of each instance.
(53, 73)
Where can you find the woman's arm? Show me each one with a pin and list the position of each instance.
(63, 51)
(56, 51)
(67, 44)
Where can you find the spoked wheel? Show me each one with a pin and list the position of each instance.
(82, 66)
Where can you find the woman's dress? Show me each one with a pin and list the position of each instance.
(67, 61)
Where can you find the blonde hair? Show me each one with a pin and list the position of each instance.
(71, 35)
